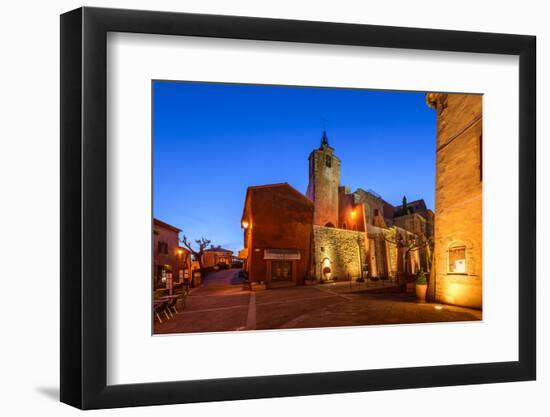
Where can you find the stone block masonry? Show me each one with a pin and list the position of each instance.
(341, 250)
(458, 199)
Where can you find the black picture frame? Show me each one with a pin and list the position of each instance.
(84, 207)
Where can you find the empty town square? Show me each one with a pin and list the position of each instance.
(220, 304)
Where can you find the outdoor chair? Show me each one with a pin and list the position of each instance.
(183, 288)
(161, 308)
(183, 297)
(172, 305)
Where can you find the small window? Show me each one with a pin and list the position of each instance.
(376, 212)
(457, 260)
(162, 247)
(328, 161)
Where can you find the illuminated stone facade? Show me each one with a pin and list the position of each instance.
(333, 233)
(457, 277)
(396, 240)
(342, 251)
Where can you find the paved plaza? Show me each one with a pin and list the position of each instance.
(221, 304)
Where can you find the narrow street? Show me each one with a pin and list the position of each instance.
(220, 304)
(222, 278)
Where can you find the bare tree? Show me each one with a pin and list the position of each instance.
(420, 242)
(197, 253)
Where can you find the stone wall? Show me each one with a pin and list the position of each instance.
(414, 223)
(372, 205)
(342, 250)
(387, 258)
(458, 198)
(392, 255)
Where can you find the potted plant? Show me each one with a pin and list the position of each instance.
(421, 286)
(258, 286)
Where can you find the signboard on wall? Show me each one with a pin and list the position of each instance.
(282, 254)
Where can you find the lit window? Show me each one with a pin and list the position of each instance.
(457, 260)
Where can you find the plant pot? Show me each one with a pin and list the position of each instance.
(421, 292)
(255, 286)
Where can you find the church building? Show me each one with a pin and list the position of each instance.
(331, 233)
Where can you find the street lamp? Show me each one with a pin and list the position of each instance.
(353, 216)
(180, 265)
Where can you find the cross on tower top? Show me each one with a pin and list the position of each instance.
(324, 139)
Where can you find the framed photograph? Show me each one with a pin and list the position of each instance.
(257, 208)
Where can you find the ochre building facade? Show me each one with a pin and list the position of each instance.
(457, 275)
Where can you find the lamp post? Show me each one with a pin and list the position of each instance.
(180, 265)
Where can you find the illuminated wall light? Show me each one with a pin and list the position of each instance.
(244, 224)
(454, 290)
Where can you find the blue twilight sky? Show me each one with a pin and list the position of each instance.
(211, 141)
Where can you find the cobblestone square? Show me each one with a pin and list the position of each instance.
(221, 304)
